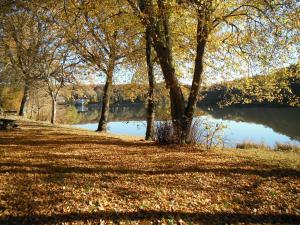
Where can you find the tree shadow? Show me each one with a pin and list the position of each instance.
(46, 168)
(33, 140)
(143, 215)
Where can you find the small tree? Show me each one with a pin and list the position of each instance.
(56, 77)
(56, 66)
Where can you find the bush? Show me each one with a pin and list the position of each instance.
(164, 133)
(207, 134)
(203, 132)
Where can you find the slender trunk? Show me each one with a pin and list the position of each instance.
(38, 114)
(53, 110)
(38, 109)
(105, 102)
(202, 34)
(150, 107)
(31, 111)
(22, 110)
(190, 109)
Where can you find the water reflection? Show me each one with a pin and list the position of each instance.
(267, 125)
(282, 120)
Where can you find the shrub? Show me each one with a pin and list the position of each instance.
(207, 133)
(203, 132)
(164, 132)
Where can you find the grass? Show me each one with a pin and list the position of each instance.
(287, 147)
(55, 175)
(248, 144)
(284, 147)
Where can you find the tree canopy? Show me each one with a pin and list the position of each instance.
(184, 43)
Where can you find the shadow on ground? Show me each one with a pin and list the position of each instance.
(207, 218)
(57, 175)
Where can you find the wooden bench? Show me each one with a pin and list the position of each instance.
(7, 124)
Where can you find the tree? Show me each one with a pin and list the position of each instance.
(56, 64)
(232, 25)
(21, 43)
(103, 36)
(151, 81)
(57, 72)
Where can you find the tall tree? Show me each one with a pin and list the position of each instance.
(220, 25)
(21, 41)
(103, 35)
(151, 81)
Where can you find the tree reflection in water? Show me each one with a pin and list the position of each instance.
(282, 120)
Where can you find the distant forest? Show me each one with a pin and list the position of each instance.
(282, 89)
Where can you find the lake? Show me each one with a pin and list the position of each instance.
(257, 124)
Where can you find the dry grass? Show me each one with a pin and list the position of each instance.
(247, 144)
(55, 175)
(282, 147)
(287, 147)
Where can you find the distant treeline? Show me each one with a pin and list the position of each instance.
(121, 93)
(281, 88)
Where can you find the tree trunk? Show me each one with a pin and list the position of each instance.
(105, 102)
(23, 106)
(31, 111)
(150, 107)
(202, 35)
(53, 110)
(160, 32)
(176, 96)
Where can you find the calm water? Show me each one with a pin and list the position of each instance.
(267, 125)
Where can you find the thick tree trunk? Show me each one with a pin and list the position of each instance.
(160, 32)
(175, 92)
(165, 54)
(53, 110)
(150, 106)
(23, 106)
(105, 101)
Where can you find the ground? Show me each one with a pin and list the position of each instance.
(55, 175)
